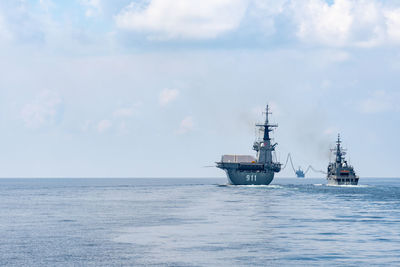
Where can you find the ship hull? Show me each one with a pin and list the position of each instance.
(334, 180)
(237, 177)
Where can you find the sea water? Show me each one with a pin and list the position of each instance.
(198, 222)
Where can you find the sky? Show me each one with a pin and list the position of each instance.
(163, 88)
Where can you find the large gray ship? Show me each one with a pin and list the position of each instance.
(339, 171)
(248, 170)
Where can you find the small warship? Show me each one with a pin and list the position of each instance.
(248, 170)
(340, 172)
(300, 173)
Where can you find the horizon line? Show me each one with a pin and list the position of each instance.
(181, 177)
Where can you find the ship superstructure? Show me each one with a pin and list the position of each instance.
(249, 170)
(339, 171)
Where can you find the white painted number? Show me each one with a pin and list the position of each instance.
(251, 177)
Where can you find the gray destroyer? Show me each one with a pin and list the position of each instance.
(339, 171)
(248, 170)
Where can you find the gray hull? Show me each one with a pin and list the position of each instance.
(236, 177)
(333, 180)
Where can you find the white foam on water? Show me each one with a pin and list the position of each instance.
(274, 186)
(349, 185)
(255, 186)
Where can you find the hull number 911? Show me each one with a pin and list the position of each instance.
(251, 177)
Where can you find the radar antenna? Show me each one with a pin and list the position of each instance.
(267, 127)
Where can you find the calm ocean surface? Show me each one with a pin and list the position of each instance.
(198, 222)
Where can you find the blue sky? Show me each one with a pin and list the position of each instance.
(160, 88)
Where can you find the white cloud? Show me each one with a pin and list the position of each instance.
(124, 112)
(118, 121)
(187, 19)
(104, 125)
(339, 23)
(329, 24)
(359, 23)
(187, 125)
(93, 7)
(393, 25)
(127, 111)
(318, 21)
(167, 96)
(265, 11)
(380, 101)
(45, 109)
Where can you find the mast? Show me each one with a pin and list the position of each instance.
(264, 147)
(338, 150)
(267, 127)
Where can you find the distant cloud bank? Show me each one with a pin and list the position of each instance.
(337, 23)
(340, 23)
(185, 19)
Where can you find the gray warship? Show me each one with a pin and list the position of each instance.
(248, 170)
(339, 171)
